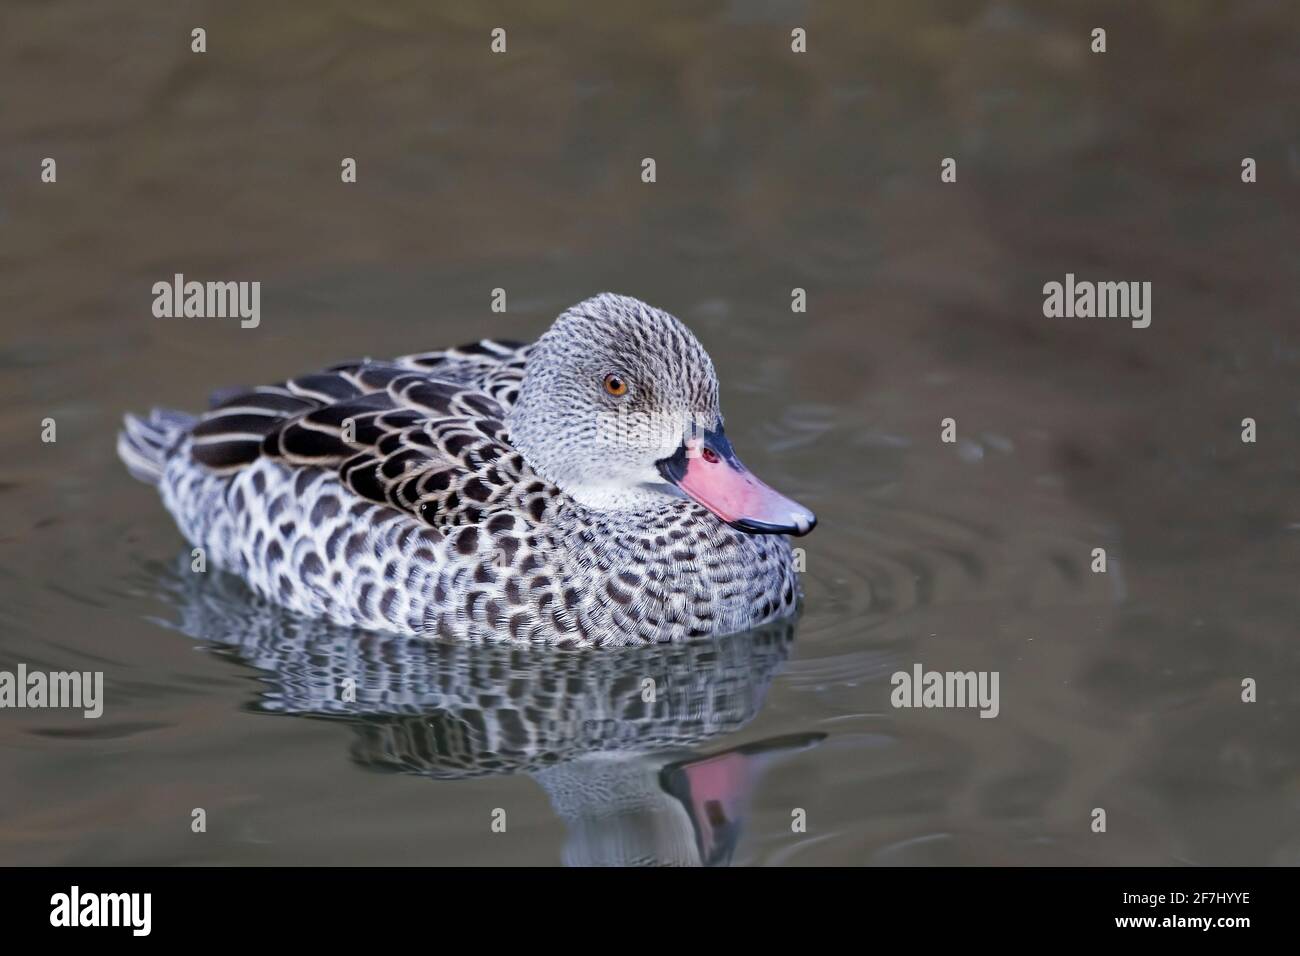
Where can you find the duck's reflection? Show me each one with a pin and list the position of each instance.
(608, 734)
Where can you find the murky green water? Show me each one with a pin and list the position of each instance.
(1119, 690)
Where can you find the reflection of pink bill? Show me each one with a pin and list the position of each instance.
(716, 789)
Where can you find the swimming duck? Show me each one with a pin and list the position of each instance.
(576, 491)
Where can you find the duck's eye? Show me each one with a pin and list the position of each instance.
(615, 385)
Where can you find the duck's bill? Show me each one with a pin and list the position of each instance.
(708, 471)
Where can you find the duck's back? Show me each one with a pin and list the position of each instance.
(362, 493)
(297, 420)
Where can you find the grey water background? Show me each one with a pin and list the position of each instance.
(775, 170)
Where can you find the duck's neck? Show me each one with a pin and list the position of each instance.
(621, 501)
(551, 459)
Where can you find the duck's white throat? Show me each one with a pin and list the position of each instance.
(620, 496)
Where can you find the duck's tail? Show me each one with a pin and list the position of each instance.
(145, 442)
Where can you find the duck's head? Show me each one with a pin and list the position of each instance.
(619, 409)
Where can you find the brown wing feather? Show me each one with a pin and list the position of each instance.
(423, 433)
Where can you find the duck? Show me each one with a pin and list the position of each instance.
(576, 491)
